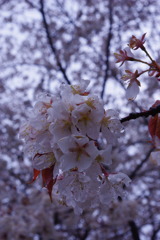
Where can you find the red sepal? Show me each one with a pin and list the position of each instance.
(48, 181)
(35, 175)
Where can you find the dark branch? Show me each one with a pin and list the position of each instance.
(134, 230)
(108, 46)
(150, 112)
(154, 235)
(138, 167)
(51, 43)
(30, 3)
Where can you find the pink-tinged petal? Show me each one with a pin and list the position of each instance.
(132, 91)
(122, 56)
(132, 76)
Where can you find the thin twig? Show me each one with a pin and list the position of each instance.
(30, 3)
(76, 26)
(139, 166)
(51, 43)
(154, 235)
(108, 46)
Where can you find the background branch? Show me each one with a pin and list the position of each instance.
(49, 38)
(108, 46)
(154, 235)
(134, 230)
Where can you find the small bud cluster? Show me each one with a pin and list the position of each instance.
(132, 77)
(69, 138)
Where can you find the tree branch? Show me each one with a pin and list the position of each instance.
(150, 112)
(134, 230)
(108, 46)
(154, 235)
(53, 49)
(30, 3)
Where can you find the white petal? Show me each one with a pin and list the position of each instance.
(42, 161)
(106, 193)
(129, 52)
(108, 135)
(84, 162)
(81, 140)
(68, 161)
(111, 113)
(91, 150)
(132, 91)
(119, 178)
(106, 155)
(66, 143)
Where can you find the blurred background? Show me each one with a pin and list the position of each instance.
(42, 44)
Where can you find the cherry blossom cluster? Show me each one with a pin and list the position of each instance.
(69, 137)
(153, 68)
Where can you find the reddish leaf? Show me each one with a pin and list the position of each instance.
(47, 175)
(154, 123)
(48, 181)
(35, 175)
(154, 126)
(50, 187)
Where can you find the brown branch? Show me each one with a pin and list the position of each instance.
(150, 112)
(134, 230)
(53, 49)
(108, 46)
